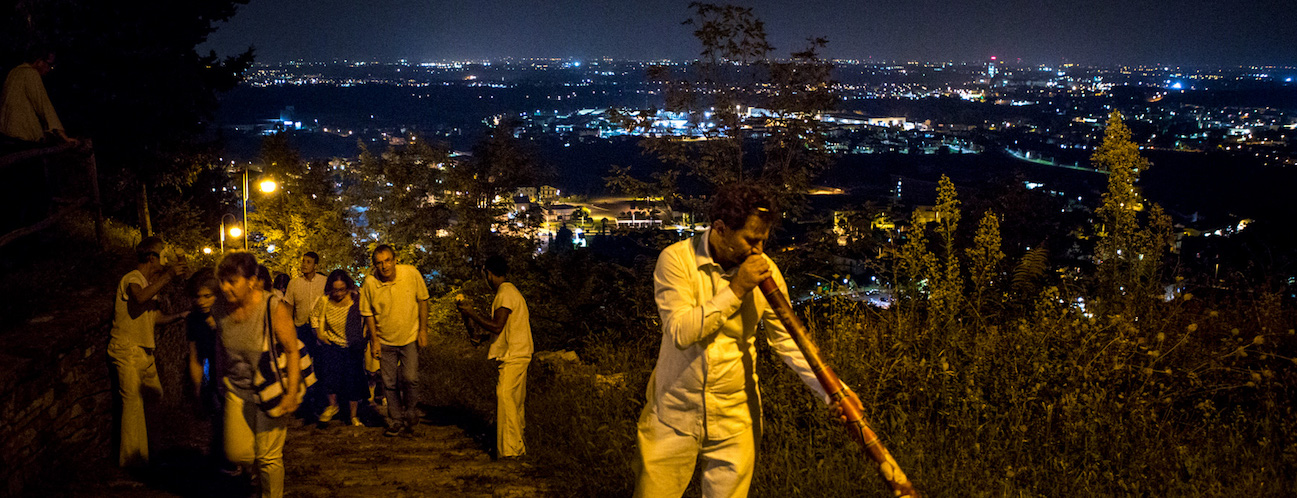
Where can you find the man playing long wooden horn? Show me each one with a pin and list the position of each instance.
(702, 398)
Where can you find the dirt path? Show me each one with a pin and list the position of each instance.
(441, 459)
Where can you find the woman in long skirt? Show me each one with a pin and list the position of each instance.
(340, 358)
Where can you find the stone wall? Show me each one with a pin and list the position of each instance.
(57, 412)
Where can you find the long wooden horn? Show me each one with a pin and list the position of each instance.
(856, 424)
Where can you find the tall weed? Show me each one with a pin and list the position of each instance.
(1191, 399)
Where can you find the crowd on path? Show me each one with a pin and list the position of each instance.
(255, 351)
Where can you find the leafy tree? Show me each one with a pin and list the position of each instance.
(442, 213)
(400, 197)
(304, 214)
(485, 186)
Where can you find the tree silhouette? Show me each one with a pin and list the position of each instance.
(735, 96)
(306, 213)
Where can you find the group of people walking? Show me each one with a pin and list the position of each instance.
(702, 400)
(241, 327)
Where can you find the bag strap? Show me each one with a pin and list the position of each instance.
(271, 343)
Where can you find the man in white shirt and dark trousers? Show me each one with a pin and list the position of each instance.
(510, 326)
(394, 302)
(302, 293)
(136, 311)
(702, 397)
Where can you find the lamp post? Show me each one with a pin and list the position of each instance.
(233, 233)
(267, 186)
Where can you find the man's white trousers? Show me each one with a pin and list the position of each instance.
(667, 458)
(510, 415)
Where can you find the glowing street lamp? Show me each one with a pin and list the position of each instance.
(234, 230)
(267, 186)
(207, 250)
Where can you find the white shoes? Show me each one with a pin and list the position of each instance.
(328, 413)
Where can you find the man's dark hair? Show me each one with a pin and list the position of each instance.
(734, 203)
(239, 263)
(315, 258)
(382, 248)
(150, 246)
(37, 53)
(496, 265)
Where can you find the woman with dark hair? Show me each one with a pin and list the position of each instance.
(253, 436)
(266, 283)
(340, 358)
(281, 283)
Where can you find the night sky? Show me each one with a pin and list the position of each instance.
(1188, 32)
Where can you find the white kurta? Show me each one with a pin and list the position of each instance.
(705, 382)
(702, 398)
(513, 348)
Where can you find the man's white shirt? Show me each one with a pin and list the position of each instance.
(395, 305)
(705, 381)
(514, 342)
(303, 294)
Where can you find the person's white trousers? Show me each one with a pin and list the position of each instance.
(667, 458)
(136, 371)
(510, 414)
(254, 439)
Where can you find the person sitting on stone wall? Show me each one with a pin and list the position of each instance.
(27, 117)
